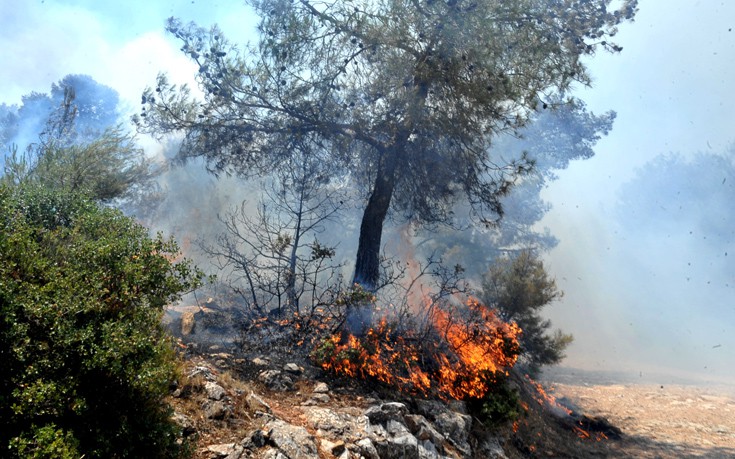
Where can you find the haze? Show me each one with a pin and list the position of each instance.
(646, 292)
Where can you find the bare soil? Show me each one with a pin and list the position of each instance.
(657, 420)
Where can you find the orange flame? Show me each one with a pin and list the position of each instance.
(462, 363)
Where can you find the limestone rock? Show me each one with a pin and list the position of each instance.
(321, 388)
(320, 398)
(490, 448)
(379, 414)
(366, 449)
(276, 380)
(293, 441)
(332, 448)
(292, 368)
(214, 390)
(221, 450)
(456, 428)
(186, 424)
(260, 362)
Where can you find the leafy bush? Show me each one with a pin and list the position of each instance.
(519, 287)
(86, 363)
(500, 405)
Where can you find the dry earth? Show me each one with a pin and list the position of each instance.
(657, 420)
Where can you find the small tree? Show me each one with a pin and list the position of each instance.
(276, 262)
(86, 362)
(74, 152)
(519, 287)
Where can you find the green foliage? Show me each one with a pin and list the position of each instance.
(86, 363)
(501, 404)
(105, 164)
(519, 287)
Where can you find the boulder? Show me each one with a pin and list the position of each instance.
(292, 368)
(292, 441)
(321, 388)
(276, 380)
(456, 429)
(379, 414)
(214, 390)
(365, 448)
(221, 450)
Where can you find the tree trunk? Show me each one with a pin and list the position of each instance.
(367, 262)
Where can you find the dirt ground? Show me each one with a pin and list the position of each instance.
(657, 420)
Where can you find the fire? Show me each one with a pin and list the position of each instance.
(547, 400)
(458, 359)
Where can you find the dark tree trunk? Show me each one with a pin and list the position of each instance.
(367, 262)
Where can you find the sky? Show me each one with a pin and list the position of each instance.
(670, 86)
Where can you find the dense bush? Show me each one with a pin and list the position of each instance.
(86, 363)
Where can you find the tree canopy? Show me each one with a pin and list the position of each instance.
(407, 96)
(70, 140)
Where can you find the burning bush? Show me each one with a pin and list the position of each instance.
(460, 355)
(520, 287)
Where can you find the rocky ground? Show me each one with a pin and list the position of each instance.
(269, 401)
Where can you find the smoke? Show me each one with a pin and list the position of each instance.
(649, 280)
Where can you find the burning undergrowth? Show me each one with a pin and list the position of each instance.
(459, 354)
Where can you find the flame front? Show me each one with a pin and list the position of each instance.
(460, 361)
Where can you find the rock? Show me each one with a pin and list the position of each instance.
(490, 448)
(333, 448)
(456, 428)
(423, 430)
(430, 409)
(238, 452)
(215, 409)
(401, 446)
(222, 450)
(186, 424)
(321, 388)
(335, 425)
(386, 411)
(256, 403)
(427, 450)
(292, 368)
(294, 442)
(276, 380)
(260, 362)
(187, 323)
(320, 398)
(258, 438)
(214, 390)
(366, 449)
(274, 454)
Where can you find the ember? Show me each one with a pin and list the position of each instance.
(458, 358)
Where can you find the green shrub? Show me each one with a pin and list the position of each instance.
(86, 363)
(519, 287)
(500, 405)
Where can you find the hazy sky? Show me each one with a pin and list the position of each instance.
(671, 87)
